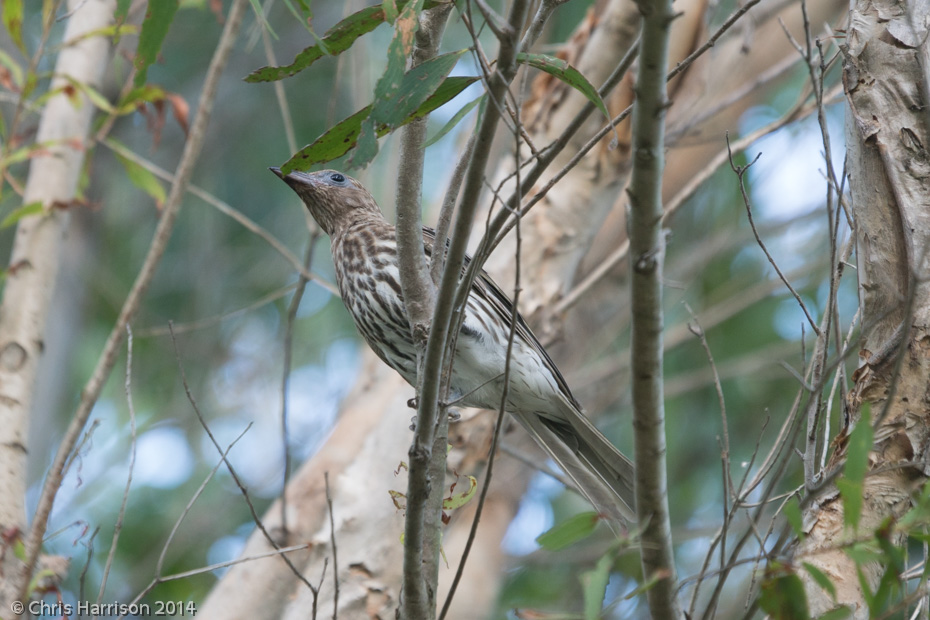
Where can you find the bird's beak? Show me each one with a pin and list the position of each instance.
(277, 171)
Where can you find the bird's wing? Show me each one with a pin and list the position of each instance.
(501, 303)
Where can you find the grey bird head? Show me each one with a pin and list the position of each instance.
(334, 199)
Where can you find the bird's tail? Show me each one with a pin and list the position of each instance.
(600, 471)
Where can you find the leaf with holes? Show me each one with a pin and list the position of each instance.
(336, 40)
(405, 27)
(342, 137)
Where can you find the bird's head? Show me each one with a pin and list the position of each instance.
(334, 199)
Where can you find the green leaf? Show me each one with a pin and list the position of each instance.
(895, 556)
(866, 590)
(460, 499)
(304, 21)
(851, 492)
(92, 93)
(860, 444)
(305, 7)
(25, 152)
(33, 208)
(569, 531)
(857, 464)
(13, 22)
(48, 12)
(822, 580)
(19, 549)
(340, 139)
(143, 94)
(783, 597)
(793, 514)
(594, 586)
(568, 74)
(30, 83)
(143, 179)
(415, 87)
(260, 16)
(158, 18)
(122, 10)
(16, 72)
(863, 553)
(336, 40)
(405, 27)
(391, 10)
(838, 613)
(455, 120)
(114, 31)
(397, 103)
(889, 589)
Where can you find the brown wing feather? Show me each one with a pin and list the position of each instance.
(499, 300)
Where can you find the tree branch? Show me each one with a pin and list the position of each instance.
(647, 248)
(434, 360)
(427, 454)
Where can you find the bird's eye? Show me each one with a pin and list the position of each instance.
(337, 178)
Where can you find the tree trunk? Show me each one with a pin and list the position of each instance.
(31, 278)
(889, 181)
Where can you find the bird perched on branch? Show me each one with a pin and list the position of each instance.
(364, 248)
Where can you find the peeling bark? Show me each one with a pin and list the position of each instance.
(889, 176)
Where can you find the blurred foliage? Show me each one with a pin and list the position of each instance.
(214, 267)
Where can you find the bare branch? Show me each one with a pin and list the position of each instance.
(647, 246)
(740, 171)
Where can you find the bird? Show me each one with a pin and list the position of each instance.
(364, 250)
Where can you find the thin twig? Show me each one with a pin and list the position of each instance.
(286, 371)
(332, 541)
(225, 209)
(677, 201)
(232, 472)
(118, 526)
(740, 172)
(159, 564)
(210, 321)
(444, 221)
